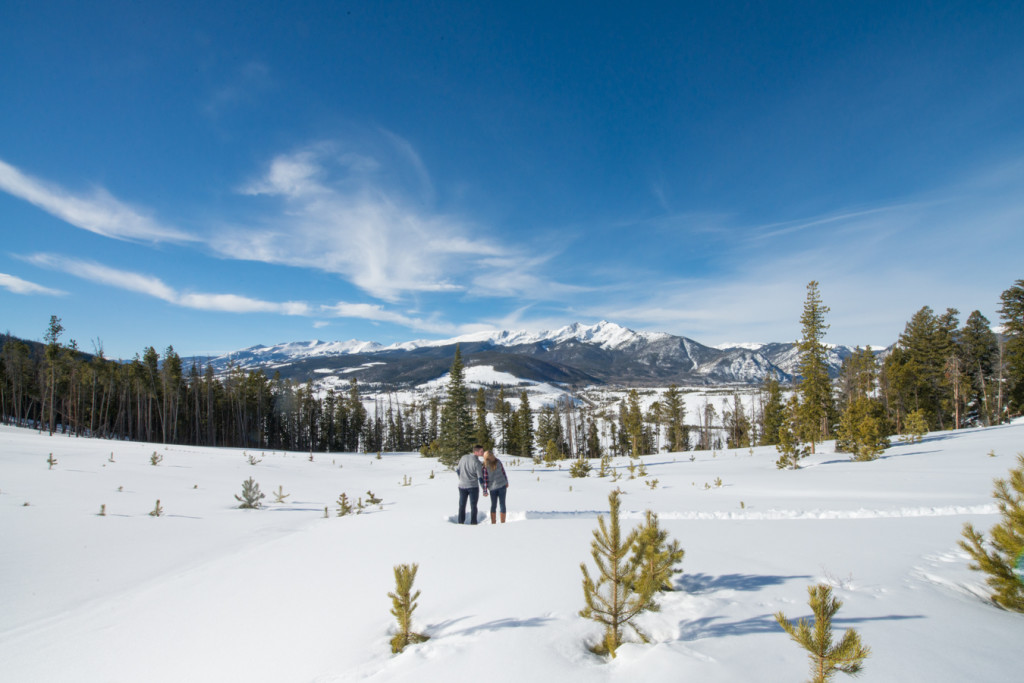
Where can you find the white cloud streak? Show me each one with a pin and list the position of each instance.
(339, 216)
(99, 212)
(19, 286)
(155, 287)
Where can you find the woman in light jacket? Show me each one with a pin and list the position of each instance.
(496, 482)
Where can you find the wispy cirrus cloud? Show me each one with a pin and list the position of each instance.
(157, 288)
(346, 213)
(378, 313)
(19, 286)
(98, 212)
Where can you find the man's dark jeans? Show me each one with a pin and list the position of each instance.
(473, 495)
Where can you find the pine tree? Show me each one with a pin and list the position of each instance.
(456, 429)
(655, 556)
(815, 388)
(524, 427)
(862, 429)
(773, 413)
(482, 430)
(1011, 311)
(251, 495)
(403, 604)
(633, 424)
(791, 449)
(673, 416)
(847, 656)
(915, 426)
(979, 348)
(1004, 563)
(613, 599)
(344, 505)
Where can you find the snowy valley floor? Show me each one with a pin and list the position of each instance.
(209, 592)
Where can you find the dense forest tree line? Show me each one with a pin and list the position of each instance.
(939, 373)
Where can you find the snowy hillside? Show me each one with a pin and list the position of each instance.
(209, 592)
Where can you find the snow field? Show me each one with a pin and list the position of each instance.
(210, 592)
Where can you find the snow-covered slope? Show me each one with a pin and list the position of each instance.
(209, 592)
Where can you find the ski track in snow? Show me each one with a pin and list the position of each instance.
(862, 513)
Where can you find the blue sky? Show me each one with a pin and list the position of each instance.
(210, 178)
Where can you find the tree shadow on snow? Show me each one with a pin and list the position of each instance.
(764, 623)
(698, 584)
(498, 624)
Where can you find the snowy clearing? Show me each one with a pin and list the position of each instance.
(209, 592)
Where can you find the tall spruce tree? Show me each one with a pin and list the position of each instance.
(773, 412)
(673, 417)
(1011, 312)
(456, 428)
(979, 348)
(815, 388)
(481, 429)
(523, 426)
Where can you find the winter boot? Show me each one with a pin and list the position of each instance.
(493, 520)
(502, 518)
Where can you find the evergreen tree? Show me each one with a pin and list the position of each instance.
(915, 427)
(52, 337)
(655, 556)
(613, 599)
(1011, 312)
(251, 495)
(773, 413)
(456, 428)
(863, 430)
(403, 604)
(633, 424)
(673, 416)
(979, 348)
(847, 656)
(1004, 562)
(524, 427)
(815, 388)
(482, 430)
(791, 449)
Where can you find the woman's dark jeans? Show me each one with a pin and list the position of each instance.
(473, 495)
(498, 496)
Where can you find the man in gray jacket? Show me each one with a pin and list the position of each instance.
(470, 473)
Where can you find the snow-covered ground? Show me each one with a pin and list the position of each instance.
(209, 592)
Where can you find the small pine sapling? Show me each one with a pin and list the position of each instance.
(359, 505)
(103, 510)
(847, 656)
(344, 506)
(604, 470)
(431, 474)
(580, 468)
(1004, 563)
(326, 516)
(403, 604)
(51, 461)
(718, 482)
(372, 499)
(280, 495)
(158, 511)
(915, 426)
(653, 483)
(406, 480)
(655, 556)
(641, 470)
(632, 469)
(251, 495)
(253, 460)
(155, 459)
(378, 455)
(613, 600)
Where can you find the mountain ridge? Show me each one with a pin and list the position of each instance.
(601, 354)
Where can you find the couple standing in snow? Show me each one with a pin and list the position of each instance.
(472, 473)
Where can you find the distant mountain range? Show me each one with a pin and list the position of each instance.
(601, 354)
